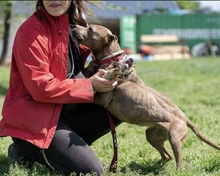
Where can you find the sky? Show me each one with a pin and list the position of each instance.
(215, 5)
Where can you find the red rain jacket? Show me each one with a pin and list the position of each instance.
(38, 85)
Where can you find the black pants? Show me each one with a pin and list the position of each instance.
(69, 150)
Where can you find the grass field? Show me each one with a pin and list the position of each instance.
(194, 85)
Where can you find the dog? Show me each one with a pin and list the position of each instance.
(147, 106)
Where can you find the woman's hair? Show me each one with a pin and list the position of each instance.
(75, 11)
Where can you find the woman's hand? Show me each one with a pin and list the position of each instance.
(101, 84)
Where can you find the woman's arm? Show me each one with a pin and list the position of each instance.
(36, 68)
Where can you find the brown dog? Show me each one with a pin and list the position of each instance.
(147, 106)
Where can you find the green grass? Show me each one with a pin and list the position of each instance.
(4, 79)
(194, 85)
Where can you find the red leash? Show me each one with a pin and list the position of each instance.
(113, 166)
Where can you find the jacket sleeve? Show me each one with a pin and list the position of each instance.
(44, 82)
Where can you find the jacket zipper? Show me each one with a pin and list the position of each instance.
(59, 31)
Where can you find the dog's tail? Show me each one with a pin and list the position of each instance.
(200, 135)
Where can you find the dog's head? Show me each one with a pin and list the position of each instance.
(94, 36)
(98, 39)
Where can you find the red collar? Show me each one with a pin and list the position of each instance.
(109, 60)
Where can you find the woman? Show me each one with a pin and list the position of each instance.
(48, 108)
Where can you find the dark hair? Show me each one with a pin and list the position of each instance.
(76, 5)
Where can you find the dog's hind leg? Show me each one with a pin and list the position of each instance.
(177, 133)
(157, 137)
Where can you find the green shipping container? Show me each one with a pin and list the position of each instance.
(128, 32)
(190, 29)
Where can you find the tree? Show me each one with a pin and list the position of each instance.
(188, 4)
(10, 10)
(7, 8)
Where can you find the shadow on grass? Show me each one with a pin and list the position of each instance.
(3, 90)
(144, 169)
(5, 164)
(212, 166)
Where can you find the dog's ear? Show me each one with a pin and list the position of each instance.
(110, 38)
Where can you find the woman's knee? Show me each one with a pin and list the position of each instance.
(70, 151)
